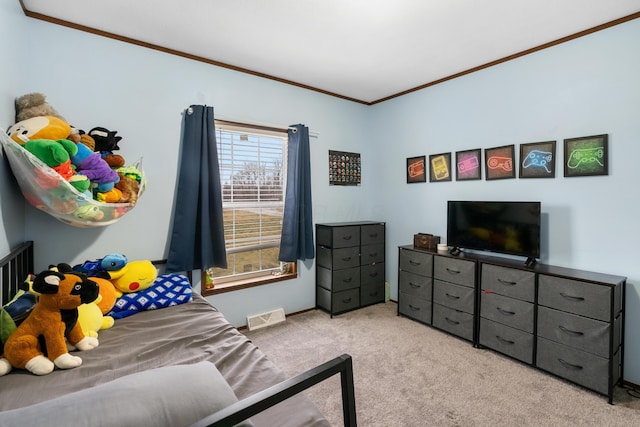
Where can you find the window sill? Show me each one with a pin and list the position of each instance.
(220, 288)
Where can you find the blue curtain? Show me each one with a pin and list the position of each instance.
(297, 224)
(197, 237)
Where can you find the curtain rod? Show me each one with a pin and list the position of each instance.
(273, 128)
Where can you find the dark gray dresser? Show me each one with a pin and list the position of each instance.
(350, 268)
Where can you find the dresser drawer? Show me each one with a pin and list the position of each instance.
(337, 302)
(372, 274)
(509, 281)
(338, 237)
(371, 293)
(453, 296)
(453, 321)
(338, 280)
(416, 285)
(575, 365)
(372, 234)
(508, 311)
(338, 258)
(574, 296)
(416, 262)
(579, 332)
(414, 307)
(371, 254)
(510, 341)
(456, 271)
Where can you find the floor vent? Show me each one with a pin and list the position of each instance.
(265, 319)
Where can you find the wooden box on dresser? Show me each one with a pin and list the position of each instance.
(437, 289)
(350, 268)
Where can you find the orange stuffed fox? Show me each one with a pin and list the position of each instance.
(54, 318)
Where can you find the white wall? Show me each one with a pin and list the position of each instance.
(584, 87)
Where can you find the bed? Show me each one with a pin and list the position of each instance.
(179, 365)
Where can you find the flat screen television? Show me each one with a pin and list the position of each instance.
(511, 228)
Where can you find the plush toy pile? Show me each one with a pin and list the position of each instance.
(85, 160)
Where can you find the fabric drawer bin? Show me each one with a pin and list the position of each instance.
(506, 340)
(510, 282)
(338, 280)
(338, 237)
(416, 308)
(372, 253)
(453, 321)
(342, 258)
(574, 296)
(416, 285)
(372, 274)
(582, 368)
(338, 301)
(416, 262)
(508, 311)
(372, 234)
(371, 293)
(454, 271)
(580, 332)
(453, 296)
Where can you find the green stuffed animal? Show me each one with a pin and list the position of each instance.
(55, 154)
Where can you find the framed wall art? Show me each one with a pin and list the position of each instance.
(586, 156)
(440, 167)
(416, 169)
(344, 168)
(538, 160)
(468, 165)
(499, 162)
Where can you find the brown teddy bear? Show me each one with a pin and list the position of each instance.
(34, 105)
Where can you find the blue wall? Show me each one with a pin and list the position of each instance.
(584, 87)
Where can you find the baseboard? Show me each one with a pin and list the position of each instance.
(630, 384)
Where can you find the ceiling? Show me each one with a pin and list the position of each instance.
(366, 51)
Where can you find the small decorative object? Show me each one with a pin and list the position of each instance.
(468, 165)
(416, 169)
(440, 169)
(425, 241)
(344, 168)
(499, 162)
(538, 160)
(586, 156)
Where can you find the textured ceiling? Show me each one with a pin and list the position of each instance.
(363, 50)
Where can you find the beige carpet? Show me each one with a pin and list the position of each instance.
(408, 374)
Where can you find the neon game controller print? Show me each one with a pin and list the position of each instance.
(496, 162)
(538, 158)
(585, 155)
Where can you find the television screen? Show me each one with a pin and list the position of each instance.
(506, 227)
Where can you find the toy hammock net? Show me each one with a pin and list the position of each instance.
(48, 191)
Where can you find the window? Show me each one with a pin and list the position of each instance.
(252, 164)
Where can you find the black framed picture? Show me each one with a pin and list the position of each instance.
(416, 169)
(586, 156)
(440, 167)
(499, 162)
(344, 168)
(538, 160)
(468, 165)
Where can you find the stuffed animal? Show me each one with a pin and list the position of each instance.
(61, 293)
(34, 105)
(112, 196)
(105, 139)
(129, 187)
(92, 316)
(91, 165)
(41, 127)
(89, 212)
(55, 154)
(99, 267)
(135, 276)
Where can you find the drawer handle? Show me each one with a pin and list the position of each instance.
(505, 341)
(374, 235)
(414, 308)
(451, 296)
(347, 237)
(505, 312)
(570, 365)
(412, 262)
(373, 254)
(507, 282)
(414, 285)
(571, 297)
(452, 271)
(375, 274)
(346, 300)
(570, 332)
(373, 294)
(346, 259)
(453, 322)
(348, 280)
